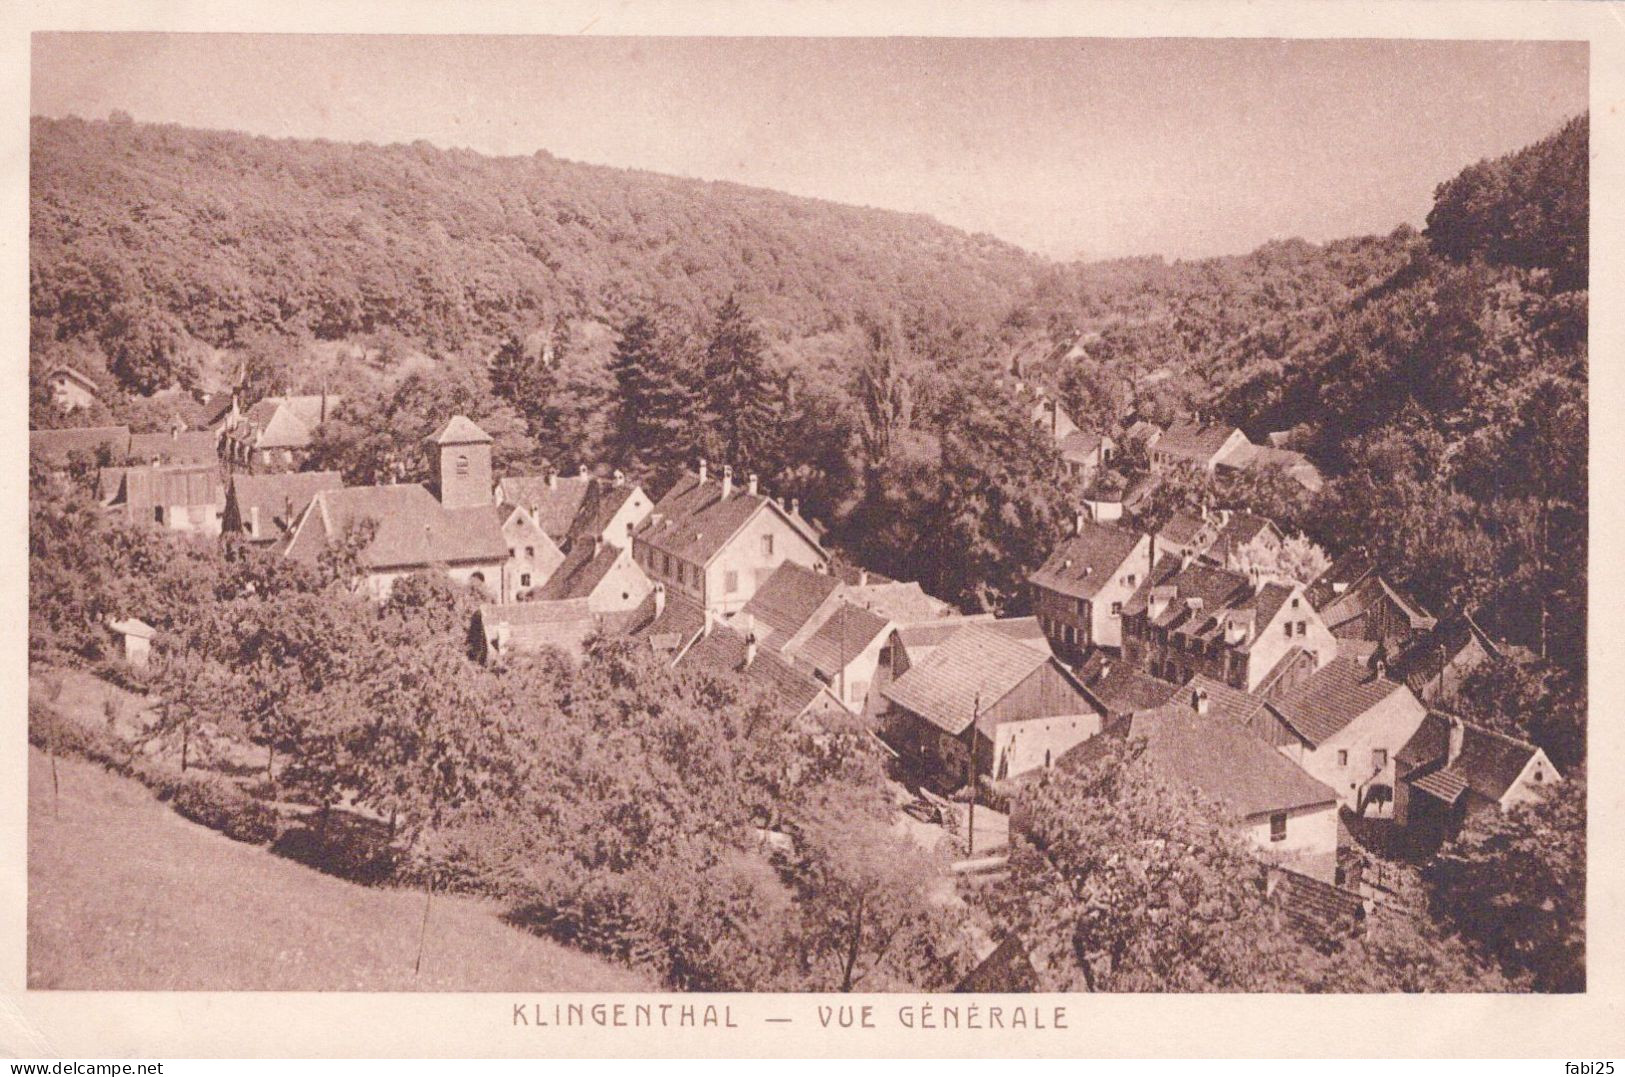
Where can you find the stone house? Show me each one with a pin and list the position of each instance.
(1080, 590)
(1204, 445)
(1450, 771)
(71, 388)
(604, 575)
(275, 434)
(190, 498)
(264, 508)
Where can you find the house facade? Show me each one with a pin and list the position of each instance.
(263, 508)
(71, 389)
(1203, 445)
(1451, 771)
(1081, 589)
(188, 498)
(275, 434)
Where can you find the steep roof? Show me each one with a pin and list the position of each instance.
(1337, 694)
(1081, 565)
(1341, 575)
(55, 445)
(1488, 764)
(1317, 910)
(975, 665)
(784, 602)
(1081, 447)
(279, 497)
(905, 603)
(1195, 440)
(581, 571)
(170, 484)
(1007, 970)
(723, 651)
(1368, 593)
(555, 500)
(133, 626)
(1184, 529)
(693, 522)
(1420, 662)
(599, 507)
(844, 635)
(286, 422)
(1215, 588)
(1219, 759)
(678, 622)
(1122, 687)
(459, 430)
(1224, 703)
(414, 529)
(1242, 528)
(529, 626)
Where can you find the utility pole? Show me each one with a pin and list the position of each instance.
(975, 730)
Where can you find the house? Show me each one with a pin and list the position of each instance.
(71, 388)
(1321, 913)
(1243, 541)
(1288, 816)
(844, 652)
(603, 575)
(107, 446)
(1188, 534)
(276, 433)
(1084, 454)
(1203, 445)
(984, 697)
(188, 497)
(511, 628)
(1435, 663)
(1122, 688)
(723, 650)
(1346, 725)
(1190, 618)
(1047, 414)
(263, 508)
(136, 637)
(1451, 771)
(452, 524)
(790, 604)
(1289, 462)
(174, 446)
(1357, 602)
(717, 542)
(533, 557)
(579, 506)
(1006, 970)
(674, 622)
(1079, 591)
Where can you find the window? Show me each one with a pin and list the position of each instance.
(462, 464)
(1303, 628)
(1083, 608)
(513, 551)
(1288, 627)
(524, 579)
(767, 545)
(1342, 757)
(730, 582)
(1117, 609)
(1294, 603)
(1379, 758)
(530, 551)
(1071, 635)
(1278, 826)
(1130, 580)
(158, 514)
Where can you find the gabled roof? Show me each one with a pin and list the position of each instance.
(414, 529)
(279, 497)
(1224, 703)
(1007, 970)
(599, 507)
(844, 635)
(459, 430)
(180, 447)
(1368, 593)
(133, 626)
(55, 445)
(1243, 527)
(694, 522)
(1187, 529)
(1081, 447)
(582, 570)
(74, 374)
(1195, 440)
(1317, 910)
(150, 486)
(555, 500)
(975, 666)
(1338, 693)
(680, 621)
(1420, 662)
(1081, 565)
(1122, 687)
(1214, 588)
(784, 602)
(530, 626)
(285, 422)
(723, 651)
(1216, 757)
(1340, 576)
(1489, 762)
(905, 603)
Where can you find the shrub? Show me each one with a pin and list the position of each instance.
(51, 732)
(218, 804)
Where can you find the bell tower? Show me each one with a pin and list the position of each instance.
(460, 454)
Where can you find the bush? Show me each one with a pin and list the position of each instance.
(49, 731)
(218, 804)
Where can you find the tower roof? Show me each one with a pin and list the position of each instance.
(459, 430)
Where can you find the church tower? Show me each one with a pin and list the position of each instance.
(460, 454)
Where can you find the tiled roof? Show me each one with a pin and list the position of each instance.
(785, 601)
(1419, 663)
(1184, 529)
(1219, 759)
(680, 621)
(693, 522)
(1081, 447)
(414, 529)
(1368, 593)
(459, 430)
(279, 497)
(555, 501)
(1195, 440)
(598, 509)
(286, 422)
(1123, 687)
(844, 635)
(1216, 588)
(1007, 970)
(1224, 703)
(1337, 694)
(1244, 527)
(1340, 576)
(1024, 630)
(1084, 563)
(187, 484)
(905, 603)
(1317, 910)
(55, 445)
(133, 626)
(975, 664)
(183, 447)
(582, 570)
(1488, 764)
(723, 651)
(530, 626)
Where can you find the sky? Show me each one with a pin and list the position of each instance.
(1070, 147)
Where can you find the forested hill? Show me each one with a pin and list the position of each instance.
(145, 237)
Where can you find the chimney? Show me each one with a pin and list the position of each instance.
(1458, 736)
(582, 472)
(552, 479)
(702, 472)
(597, 545)
(620, 477)
(863, 577)
(750, 649)
(1379, 667)
(750, 484)
(660, 599)
(1077, 523)
(253, 521)
(1184, 559)
(1199, 700)
(1105, 671)
(795, 506)
(727, 481)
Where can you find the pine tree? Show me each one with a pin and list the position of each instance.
(654, 420)
(744, 401)
(525, 382)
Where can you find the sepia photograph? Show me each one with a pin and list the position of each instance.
(622, 515)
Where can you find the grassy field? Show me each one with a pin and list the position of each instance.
(123, 894)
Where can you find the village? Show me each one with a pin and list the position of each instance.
(1312, 712)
